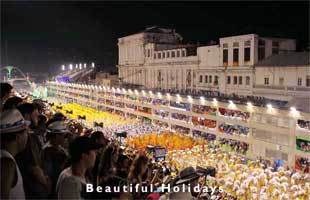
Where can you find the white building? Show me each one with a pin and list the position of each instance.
(247, 65)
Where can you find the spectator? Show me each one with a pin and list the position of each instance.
(187, 176)
(123, 165)
(39, 104)
(12, 103)
(54, 155)
(40, 131)
(138, 169)
(13, 132)
(98, 138)
(107, 169)
(72, 181)
(35, 181)
(30, 113)
(57, 117)
(5, 92)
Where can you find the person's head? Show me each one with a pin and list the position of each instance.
(39, 104)
(138, 166)
(98, 137)
(11, 103)
(188, 176)
(30, 112)
(5, 91)
(83, 151)
(57, 132)
(42, 120)
(13, 130)
(123, 162)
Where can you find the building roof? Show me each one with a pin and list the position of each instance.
(156, 29)
(286, 59)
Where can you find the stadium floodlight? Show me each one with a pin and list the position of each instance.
(84, 65)
(76, 66)
(63, 67)
(293, 109)
(80, 66)
(93, 65)
(71, 67)
(294, 112)
(232, 105)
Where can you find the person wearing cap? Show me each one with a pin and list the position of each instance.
(13, 133)
(187, 176)
(72, 181)
(54, 155)
(36, 182)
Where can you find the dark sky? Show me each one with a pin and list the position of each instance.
(41, 36)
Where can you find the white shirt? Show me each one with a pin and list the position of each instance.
(69, 186)
(16, 192)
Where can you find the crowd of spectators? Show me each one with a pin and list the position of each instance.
(208, 136)
(302, 164)
(163, 102)
(119, 104)
(234, 114)
(303, 124)
(181, 117)
(144, 100)
(161, 113)
(180, 129)
(145, 110)
(233, 129)
(180, 105)
(303, 145)
(207, 110)
(131, 106)
(237, 146)
(201, 122)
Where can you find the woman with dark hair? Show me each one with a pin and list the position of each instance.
(107, 170)
(138, 175)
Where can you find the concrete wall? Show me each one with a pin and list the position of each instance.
(290, 75)
(209, 56)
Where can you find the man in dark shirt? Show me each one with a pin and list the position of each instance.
(36, 183)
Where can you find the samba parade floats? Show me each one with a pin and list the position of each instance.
(91, 115)
(170, 141)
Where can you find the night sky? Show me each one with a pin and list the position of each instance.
(41, 36)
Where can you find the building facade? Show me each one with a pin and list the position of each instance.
(243, 65)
